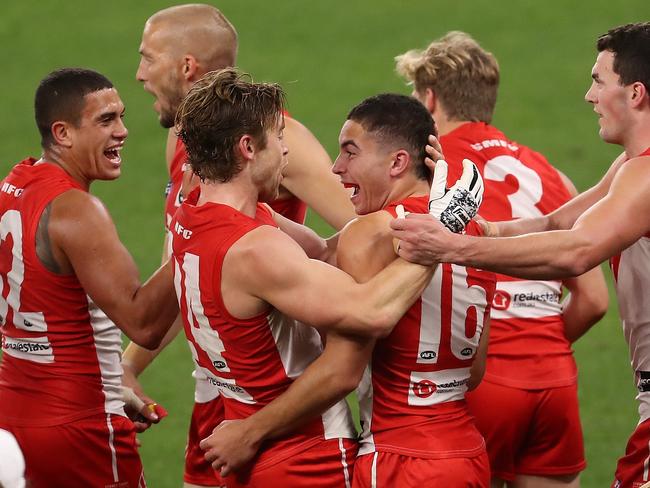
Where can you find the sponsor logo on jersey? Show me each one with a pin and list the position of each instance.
(227, 386)
(479, 146)
(37, 349)
(643, 381)
(424, 388)
(501, 300)
(428, 355)
(219, 364)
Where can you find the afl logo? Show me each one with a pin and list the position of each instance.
(219, 364)
(428, 355)
(424, 388)
(466, 352)
(501, 300)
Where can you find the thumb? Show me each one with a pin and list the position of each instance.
(470, 177)
(439, 183)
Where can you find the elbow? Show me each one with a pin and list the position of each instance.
(149, 339)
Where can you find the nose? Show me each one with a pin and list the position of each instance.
(121, 132)
(590, 95)
(140, 73)
(338, 167)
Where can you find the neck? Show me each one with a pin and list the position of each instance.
(445, 126)
(411, 187)
(237, 193)
(637, 139)
(54, 156)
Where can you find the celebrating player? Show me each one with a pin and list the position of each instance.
(606, 222)
(527, 405)
(62, 264)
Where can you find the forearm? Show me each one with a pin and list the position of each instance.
(138, 358)
(586, 304)
(326, 381)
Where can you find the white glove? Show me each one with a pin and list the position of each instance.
(454, 207)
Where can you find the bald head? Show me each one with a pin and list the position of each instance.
(179, 45)
(199, 30)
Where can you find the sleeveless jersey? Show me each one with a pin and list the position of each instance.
(292, 208)
(528, 348)
(412, 394)
(632, 278)
(251, 361)
(61, 354)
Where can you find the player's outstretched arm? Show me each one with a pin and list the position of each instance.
(608, 227)
(588, 296)
(318, 294)
(84, 241)
(309, 176)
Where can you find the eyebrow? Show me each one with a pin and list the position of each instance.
(110, 115)
(347, 143)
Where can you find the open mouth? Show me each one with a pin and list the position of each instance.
(355, 188)
(113, 155)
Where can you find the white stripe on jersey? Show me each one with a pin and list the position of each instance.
(108, 345)
(344, 462)
(111, 445)
(373, 471)
(526, 299)
(366, 397)
(298, 346)
(431, 314)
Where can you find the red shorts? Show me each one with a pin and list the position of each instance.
(529, 432)
(632, 470)
(205, 417)
(327, 464)
(389, 470)
(97, 451)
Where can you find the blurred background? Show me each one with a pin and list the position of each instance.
(329, 56)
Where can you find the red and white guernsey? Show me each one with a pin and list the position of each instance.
(528, 348)
(632, 276)
(412, 394)
(61, 354)
(251, 361)
(292, 208)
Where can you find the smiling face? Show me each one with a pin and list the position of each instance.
(160, 72)
(96, 141)
(609, 98)
(270, 162)
(363, 164)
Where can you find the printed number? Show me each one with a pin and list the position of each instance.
(523, 201)
(451, 300)
(205, 343)
(11, 225)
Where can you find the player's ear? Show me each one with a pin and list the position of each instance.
(639, 94)
(430, 100)
(61, 133)
(400, 163)
(246, 147)
(190, 67)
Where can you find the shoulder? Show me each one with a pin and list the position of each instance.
(76, 212)
(366, 242)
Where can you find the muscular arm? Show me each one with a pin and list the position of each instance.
(564, 217)
(609, 226)
(309, 176)
(279, 273)
(314, 245)
(362, 254)
(84, 241)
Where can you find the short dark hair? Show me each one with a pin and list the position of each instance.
(630, 44)
(218, 110)
(60, 96)
(398, 120)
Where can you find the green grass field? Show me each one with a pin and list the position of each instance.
(328, 56)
